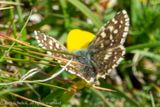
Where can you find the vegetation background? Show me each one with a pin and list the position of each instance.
(136, 84)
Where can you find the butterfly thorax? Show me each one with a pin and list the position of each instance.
(87, 68)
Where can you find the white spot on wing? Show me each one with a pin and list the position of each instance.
(123, 53)
(103, 34)
(57, 46)
(106, 56)
(122, 41)
(115, 65)
(123, 49)
(111, 37)
(109, 70)
(124, 12)
(127, 19)
(114, 21)
(124, 34)
(42, 41)
(45, 38)
(115, 31)
(50, 42)
(110, 28)
(102, 45)
(127, 23)
(126, 16)
(121, 22)
(50, 47)
(126, 29)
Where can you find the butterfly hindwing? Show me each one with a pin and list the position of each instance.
(106, 60)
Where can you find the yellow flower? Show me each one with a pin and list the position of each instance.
(78, 39)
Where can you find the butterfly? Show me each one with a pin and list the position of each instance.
(103, 54)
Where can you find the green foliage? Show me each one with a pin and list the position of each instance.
(137, 83)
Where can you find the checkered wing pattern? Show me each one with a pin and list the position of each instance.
(103, 54)
(47, 42)
(107, 49)
(50, 43)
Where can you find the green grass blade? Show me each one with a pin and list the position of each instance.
(85, 10)
(142, 46)
(148, 54)
(152, 100)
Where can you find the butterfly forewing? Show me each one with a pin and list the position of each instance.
(107, 48)
(50, 43)
(113, 33)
